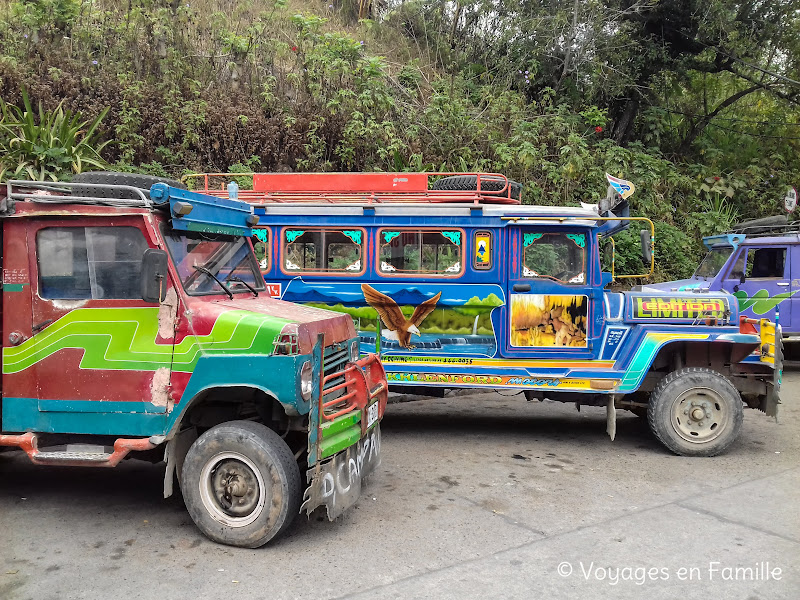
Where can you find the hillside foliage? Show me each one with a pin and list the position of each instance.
(696, 102)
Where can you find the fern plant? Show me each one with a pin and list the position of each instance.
(47, 145)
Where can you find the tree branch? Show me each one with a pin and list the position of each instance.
(699, 126)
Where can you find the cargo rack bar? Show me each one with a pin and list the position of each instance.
(356, 188)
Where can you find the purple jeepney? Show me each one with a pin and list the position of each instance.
(762, 270)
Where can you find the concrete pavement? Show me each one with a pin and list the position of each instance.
(483, 496)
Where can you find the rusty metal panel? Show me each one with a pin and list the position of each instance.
(336, 483)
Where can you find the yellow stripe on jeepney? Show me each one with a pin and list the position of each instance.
(493, 362)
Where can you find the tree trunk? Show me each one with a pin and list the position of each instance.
(623, 127)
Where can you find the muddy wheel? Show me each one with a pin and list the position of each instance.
(241, 484)
(695, 412)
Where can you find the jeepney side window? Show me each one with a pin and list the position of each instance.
(556, 256)
(765, 263)
(403, 251)
(261, 247)
(737, 270)
(90, 262)
(323, 251)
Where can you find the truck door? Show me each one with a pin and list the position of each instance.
(96, 343)
(760, 278)
(552, 304)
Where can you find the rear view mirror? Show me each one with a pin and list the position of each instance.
(647, 254)
(607, 255)
(154, 275)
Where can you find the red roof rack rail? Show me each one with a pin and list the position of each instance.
(356, 188)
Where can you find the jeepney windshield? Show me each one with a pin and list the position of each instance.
(713, 262)
(198, 256)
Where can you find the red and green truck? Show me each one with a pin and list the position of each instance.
(135, 323)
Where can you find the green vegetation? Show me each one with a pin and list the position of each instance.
(46, 145)
(457, 320)
(695, 101)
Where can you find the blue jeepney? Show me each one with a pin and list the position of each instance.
(456, 284)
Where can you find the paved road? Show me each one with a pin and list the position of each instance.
(483, 496)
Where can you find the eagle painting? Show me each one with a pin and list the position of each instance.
(398, 328)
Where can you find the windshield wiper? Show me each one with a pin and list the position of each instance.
(238, 279)
(214, 277)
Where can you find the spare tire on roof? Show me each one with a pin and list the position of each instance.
(143, 182)
(774, 221)
(470, 182)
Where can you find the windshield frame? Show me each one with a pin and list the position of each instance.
(226, 241)
(714, 250)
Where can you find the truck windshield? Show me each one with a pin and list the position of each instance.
(229, 258)
(713, 262)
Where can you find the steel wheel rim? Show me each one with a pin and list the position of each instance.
(700, 415)
(232, 489)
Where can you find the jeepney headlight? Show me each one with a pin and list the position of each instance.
(355, 351)
(306, 380)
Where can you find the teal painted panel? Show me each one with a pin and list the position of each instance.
(23, 414)
(277, 376)
(96, 406)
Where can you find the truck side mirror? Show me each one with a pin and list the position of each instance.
(154, 275)
(644, 237)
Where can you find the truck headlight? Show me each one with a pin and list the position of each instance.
(306, 380)
(355, 351)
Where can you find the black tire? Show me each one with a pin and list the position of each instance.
(470, 182)
(269, 486)
(143, 182)
(695, 412)
(762, 224)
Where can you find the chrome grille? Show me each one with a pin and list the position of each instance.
(334, 361)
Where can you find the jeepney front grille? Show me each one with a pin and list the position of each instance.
(336, 399)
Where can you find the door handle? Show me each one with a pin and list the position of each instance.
(522, 287)
(783, 283)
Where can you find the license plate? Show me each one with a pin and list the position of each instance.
(372, 414)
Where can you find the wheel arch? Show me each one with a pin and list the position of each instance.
(218, 404)
(224, 393)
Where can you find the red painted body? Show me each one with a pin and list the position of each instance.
(59, 377)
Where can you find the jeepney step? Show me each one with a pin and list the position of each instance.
(84, 453)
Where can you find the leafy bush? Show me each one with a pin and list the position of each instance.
(675, 253)
(47, 145)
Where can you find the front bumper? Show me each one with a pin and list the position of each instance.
(344, 443)
(772, 354)
(336, 482)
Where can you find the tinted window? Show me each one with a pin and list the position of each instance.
(420, 252)
(765, 263)
(90, 262)
(557, 256)
(759, 263)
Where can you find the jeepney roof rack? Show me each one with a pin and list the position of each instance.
(23, 190)
(189, 211)
(766, 226)
(364, 188)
